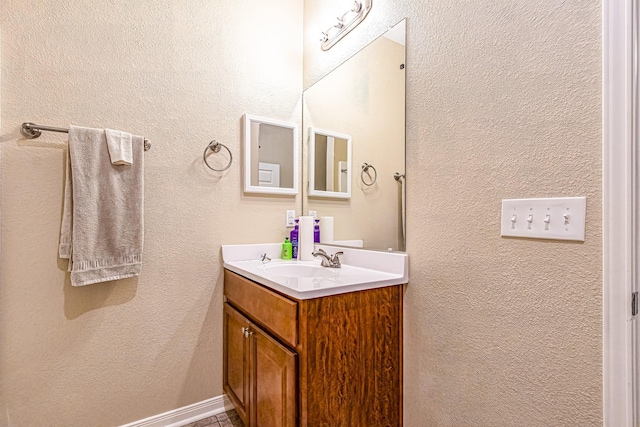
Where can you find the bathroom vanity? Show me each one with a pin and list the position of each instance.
(327, 356)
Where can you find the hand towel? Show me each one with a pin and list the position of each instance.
(103, 213)
(120, 147)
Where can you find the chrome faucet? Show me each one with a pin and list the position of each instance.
(328, 260)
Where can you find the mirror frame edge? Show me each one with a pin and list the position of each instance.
(247, 119)
(311, 166)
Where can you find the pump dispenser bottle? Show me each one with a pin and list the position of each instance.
(293, 236)
(316, 231)
(286, 249)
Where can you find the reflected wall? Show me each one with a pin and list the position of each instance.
(364, 98)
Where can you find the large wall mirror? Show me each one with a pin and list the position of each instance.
(270, 156)
(364, 99)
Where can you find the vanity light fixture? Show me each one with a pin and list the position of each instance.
(345, 23)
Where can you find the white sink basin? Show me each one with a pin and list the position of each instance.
(298, 270)
(361, 269)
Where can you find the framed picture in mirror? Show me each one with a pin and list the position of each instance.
(329, 164)
(270, 163)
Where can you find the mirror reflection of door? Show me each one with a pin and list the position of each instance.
(272, 153)
(331, 165)
(343, 176)
(268, 175)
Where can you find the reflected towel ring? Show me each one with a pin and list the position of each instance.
(215, 147)
(365, 168)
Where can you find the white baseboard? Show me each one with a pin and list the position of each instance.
(186, 414)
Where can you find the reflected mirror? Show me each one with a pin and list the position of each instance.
(329, 164)
(363, 98)
(270, 156)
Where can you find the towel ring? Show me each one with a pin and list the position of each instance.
(215, 147)
(365, 168)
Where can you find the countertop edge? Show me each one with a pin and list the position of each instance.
(400, 280)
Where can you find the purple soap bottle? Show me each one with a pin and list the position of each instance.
(293, 236)
(316, 232)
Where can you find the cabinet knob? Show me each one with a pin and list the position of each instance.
(247, 333)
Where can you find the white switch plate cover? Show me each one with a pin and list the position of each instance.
(560, 218)
(291, 218)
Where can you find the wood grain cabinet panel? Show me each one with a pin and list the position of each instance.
(273, 375)
(259, 373)
(345, 369)
(236, 361)
(351, 366)
(270, 310)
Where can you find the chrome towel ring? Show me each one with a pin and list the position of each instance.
(215, 146)
(365, 168)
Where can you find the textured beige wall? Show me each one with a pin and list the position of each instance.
(181, 74)
(503, 101)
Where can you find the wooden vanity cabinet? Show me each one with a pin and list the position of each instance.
(328, 361)
(260, 373)
(236, 360)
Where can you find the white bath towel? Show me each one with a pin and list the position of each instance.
(64, 249)
(102, 230)
(119, 144)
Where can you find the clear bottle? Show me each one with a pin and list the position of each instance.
(294, 240)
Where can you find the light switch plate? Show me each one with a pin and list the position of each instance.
(555, 218)
(291, 218)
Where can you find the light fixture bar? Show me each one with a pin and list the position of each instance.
(345, 23)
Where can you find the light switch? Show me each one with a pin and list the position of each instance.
(557, 218)
(291, 218)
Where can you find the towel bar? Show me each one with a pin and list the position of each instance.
(31, 131)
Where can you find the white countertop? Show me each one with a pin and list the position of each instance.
(361, 270)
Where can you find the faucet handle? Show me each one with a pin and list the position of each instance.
(334, 258)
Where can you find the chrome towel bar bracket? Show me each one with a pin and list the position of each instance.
(398, 176)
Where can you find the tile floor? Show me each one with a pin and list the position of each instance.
(225, 419)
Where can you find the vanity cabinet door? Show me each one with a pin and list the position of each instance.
(273, 382)
(236, 360)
